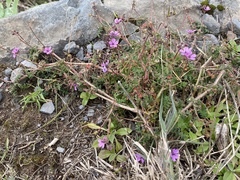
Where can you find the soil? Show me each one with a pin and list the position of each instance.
(29, 155)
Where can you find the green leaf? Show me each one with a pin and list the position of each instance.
(84, 102)
(123, 131)
(118, 146)
(112, 157)
(94, 126)
(84, 95)
(121, 158)
(237, 169)
(103, 154)
(2, 11)
(111, 137)
(202, 148)
(228, 175)
(95, 143)
(93, 96)
(232, 43)
(192, 136)
(238, 48)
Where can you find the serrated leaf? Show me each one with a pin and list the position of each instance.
(123, 131)
(112, 157)
(121, 158)
(118, 146)
(103, 154)
(95, 143)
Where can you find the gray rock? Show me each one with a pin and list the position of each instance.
(236, 25)
(85, 118)
(80, 54)
(211, 24)
(127, 28)
(207, 41)
(60, 150)
(6, 78)
(81, 107)
(135, 37)
(47, 108)
(71, 48)
(99, 45)
(8, 71)
(55, 24)
(90, 112)
(28, 64)
(16, 73)
(89, 48)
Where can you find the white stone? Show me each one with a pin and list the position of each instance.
(47, 108)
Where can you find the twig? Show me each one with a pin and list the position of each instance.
(204, 93)
(136, 109)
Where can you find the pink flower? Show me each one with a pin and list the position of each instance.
(102, 142)
(104, 66)
(190, 31)
(47, 50)
(187, 52)
(113, 43)
(117, 20)
(75, 86)
(206, 8)
(139, 158)
(114, 34)
(174, 154)
(14, 52)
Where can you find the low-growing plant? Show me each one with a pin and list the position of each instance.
(109, 143)
(9, 8)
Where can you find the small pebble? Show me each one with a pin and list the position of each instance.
(6, 79)
(8, 71)
(89, 48)
(81, 107)
(61, 118)
(47, 108)
(85, 118)
(90, 112)
(60, 149)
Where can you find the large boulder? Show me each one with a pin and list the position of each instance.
(54, 24)
(179, 14)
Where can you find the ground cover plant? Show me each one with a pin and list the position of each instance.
(172, 108)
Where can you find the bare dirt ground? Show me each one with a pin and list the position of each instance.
(28, 154)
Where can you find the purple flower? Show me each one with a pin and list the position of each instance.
(75, 86)
(139, 158)
(190, 31)
(102, 142)
(14, 52)
(174, 154)
(206, 8)
(113, 43)
(114, 34)
(47, 50)
(187, 52)
(104, 66)
(117, 20)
